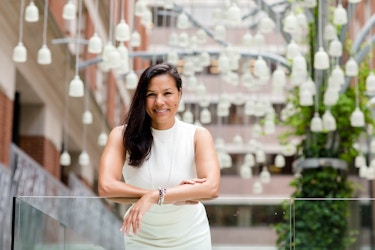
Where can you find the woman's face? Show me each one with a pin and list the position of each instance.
(162, 99)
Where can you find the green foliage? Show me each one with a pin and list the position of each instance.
(317, 223)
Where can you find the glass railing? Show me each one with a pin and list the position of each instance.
(235, 222)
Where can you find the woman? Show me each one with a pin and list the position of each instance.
(168, 165)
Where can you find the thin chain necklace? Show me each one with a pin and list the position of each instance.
(174, 128)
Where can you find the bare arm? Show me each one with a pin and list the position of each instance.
(110, 169)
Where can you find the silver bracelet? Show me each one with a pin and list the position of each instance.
(162, 192)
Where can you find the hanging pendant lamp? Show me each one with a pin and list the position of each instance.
(329, 122)
(65, 159)
(31, 13)
(370, 83)
(131, 80)
(316, 123)
(102, 139)
(69, 11)
(357, 118)
(351, 67)
(279, 161)
(340, 16)
(321, 59)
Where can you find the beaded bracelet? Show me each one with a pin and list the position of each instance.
(162, 192)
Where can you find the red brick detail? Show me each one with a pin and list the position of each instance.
(42, 151)
(6, 122)
(56, 8)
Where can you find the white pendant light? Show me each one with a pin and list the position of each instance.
(261, 69)
(266, 25)
(338, 75)
(102, 139)
(329, 122)
(278, 79)
(357, 118)
(245, 172)
(316, 123)
(269, 127)
(310, 3)
(76, 87)
(188, 117)
(124, 58)
(20, 53)
(249, 160)
(220, 32)
(260, 156)
(183, 40)
(131, 80)
(321, 59)
(249, 107)
(238, 140)
(172, 57)
(299, 64)
(359, 161)
(222, 109)
(259, 40)
(205, 116)
(234, 16)
(305, 97)
(265, 176)
(302, 21)
(84, 158)
(146, 19)
(95, 44)
(205, 59)
(330, 32)
(331, 96)
(65, 158)
(247, 40)
(257, 187)
(340, 16)
(290, 23)
(363, 171)
(44, 55)
(335, 48)
(279, 161)
(140, 8)
(223, 63)
(289, 149)
(69, 11)
(183, 21)
(122, 31)
(87, 117)
(370, 83)
(168, 4)
(31, 13)
(292, 50)
(135, 39)
(173, 39)
(201, 36)
(351, 67)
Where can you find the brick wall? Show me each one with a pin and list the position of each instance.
(43, 151)
(6, 121)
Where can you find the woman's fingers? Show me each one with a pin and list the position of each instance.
(193, 181)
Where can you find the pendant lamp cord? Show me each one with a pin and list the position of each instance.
(78, 35)
(21, 21)
(45, 21)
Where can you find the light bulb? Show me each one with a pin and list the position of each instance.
(223, 63)
(357, 118)
(305, 97)
(201, 36)
(247, 40)
(95, 44)
(316, 123)
(249, 160)
(331, 96)
(31, 13)
(321, 59)
(65, 158)
(257, 187)
(266, 25)
(261, 69)
(44, 55)
(84, 159)
(69, 11)
(205, 116)
(338, 75)
(147, 18)
(76, 87)
(260, 156)
(122, 32)
(183, 40)
(330, 32)
(292, 50)
(20, 53)
(172, 57)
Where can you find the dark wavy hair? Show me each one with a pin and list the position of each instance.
(137, 137)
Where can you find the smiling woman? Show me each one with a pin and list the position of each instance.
(167, 164)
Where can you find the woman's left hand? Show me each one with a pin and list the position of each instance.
(134, 217)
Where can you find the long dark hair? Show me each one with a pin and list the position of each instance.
(137, 136)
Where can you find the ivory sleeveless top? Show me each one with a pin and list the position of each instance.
(169, 226)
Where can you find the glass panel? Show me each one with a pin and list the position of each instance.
(332, 223)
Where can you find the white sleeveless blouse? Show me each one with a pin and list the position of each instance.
(177, 227)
